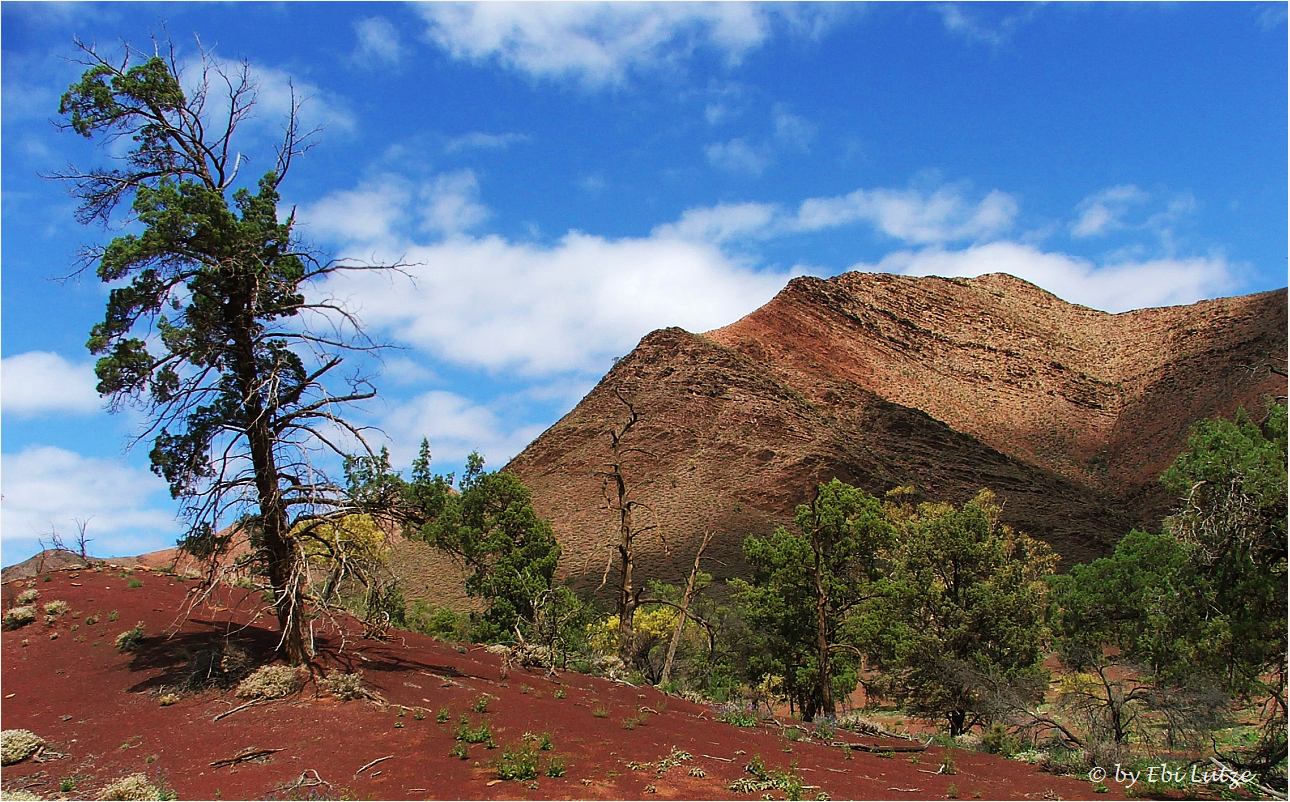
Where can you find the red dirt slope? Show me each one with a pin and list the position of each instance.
(99, 712)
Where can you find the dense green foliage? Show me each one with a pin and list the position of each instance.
(1199, 608)
(965, 612)
(489, 527)
(805, 586)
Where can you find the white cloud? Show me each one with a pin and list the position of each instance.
(599, 44)
(371, 213)
(737, 156)
(720, 223)
(477, 140)
(378, 41)
(276, 91)
(47, 488)
(960, 24)
(451, 203)
(455, 426)
(537, 310)
(378, 211)
(1105, 211)
(1114, 287)
(910, 215)
(41, 383)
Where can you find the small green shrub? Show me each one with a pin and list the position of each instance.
(600, 711)
(555, 767)
(18, 745)
(18, 617)
(559, 693)
(57, 608)
(345, 686)
(998, 741)
(112, 616)
(517, 764)
(28, 596)
(459, 751)
(271, 682)
(134, 583)
(442, 717)
(130, 640)
(481, 704)
(949, 766)
(483, 734)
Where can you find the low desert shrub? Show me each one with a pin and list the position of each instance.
(57, 608)
(18, 745)
(28, 596)
(218, 665)
(271, 682)
(18, 617)
(345, 686)
(999, 741)
(130, 640)
(20, 796)
(135, 786)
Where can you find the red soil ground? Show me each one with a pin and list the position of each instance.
(99, 712)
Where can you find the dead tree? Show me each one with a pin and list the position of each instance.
(685, 609)
(619, 500)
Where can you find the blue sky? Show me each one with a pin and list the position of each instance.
(566, 178)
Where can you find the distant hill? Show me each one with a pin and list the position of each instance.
(1067, 413)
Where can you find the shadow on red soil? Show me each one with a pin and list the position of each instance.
(99, 711)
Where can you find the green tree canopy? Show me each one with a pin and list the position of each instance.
(806, 586)
(965, 611)
(491, 528)
(209, 327)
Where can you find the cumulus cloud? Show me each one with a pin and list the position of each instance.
(538, 310)
(385, 206)
(1113, 287)
(721, 223)
(455, 426)
(378, 42)
(452, 205)
(600, 44)
(943, 216)
(44, 383)
(51, 489)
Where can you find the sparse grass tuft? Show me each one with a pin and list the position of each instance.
(129, 640)
(271, 682)
(18, 745)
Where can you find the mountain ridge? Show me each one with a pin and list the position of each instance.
(951, 385)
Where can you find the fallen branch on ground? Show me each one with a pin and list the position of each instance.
(250, 753)
(367, 766)
(877, 748)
